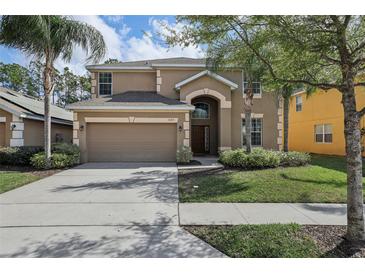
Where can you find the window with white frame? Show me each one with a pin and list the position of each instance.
(105, 83)
(201, 111)
(298, 103)
(256, 88)
(323, 133)
(256, 132)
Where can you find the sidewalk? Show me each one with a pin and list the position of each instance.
(261, 213)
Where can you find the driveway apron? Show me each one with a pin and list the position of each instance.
(99, 210)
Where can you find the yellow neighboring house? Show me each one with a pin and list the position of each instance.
(316, 122)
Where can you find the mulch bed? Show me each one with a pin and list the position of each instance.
(28, 169)
(330, 240)
(191, 163)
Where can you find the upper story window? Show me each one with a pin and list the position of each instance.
(201, 111)
(298, 103)
(323, 133)
(105, 83)
(256, 88)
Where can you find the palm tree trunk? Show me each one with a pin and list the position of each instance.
(286, 123)
(48, 88)
(355, 210)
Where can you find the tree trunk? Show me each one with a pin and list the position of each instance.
(286, 123)
(355, 211)
(48, 88)
(248, 130)
(247, 105)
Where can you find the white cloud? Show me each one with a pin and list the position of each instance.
(112, 38)
(122, 46)
(114, 18)
(149, 46)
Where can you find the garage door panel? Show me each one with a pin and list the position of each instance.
(131, 142)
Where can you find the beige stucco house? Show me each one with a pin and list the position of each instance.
(21, 121)
(146, 110)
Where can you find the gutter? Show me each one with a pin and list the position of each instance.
(117, 68)
(177, 107)
(53, 120)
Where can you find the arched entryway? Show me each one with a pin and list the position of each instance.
(204, 125)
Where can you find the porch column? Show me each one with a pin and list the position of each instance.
(17, 132)
(225, 138)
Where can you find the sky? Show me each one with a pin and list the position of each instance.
(127, 38)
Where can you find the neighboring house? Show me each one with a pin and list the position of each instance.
(316, 121)
(21, 121)
(146, 110)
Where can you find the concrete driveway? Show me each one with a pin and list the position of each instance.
(99, 210)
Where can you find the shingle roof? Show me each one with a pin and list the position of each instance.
(32, 106)
(151, 62)
(130, 99)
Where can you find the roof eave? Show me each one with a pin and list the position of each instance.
(53, 119)
(179, 65)
(118, 68)
(176, 107)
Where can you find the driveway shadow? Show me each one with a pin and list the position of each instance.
(130, 241)
(156, 184)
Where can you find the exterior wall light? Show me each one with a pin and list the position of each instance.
(82, 128)
(13, 126)
(180, 128)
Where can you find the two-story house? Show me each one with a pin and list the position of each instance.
(146, 110)
(316, 121)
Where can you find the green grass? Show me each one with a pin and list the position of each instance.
(324, 180)
(13, 179)
(258, 241)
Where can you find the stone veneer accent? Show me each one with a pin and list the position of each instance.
(280, 124)
(93, 85)
(17, 134)
(158, 81)
(75, 132)
(186, 126)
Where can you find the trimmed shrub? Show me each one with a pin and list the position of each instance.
(58, 160)
(184, 154)
(19, 156)
(63, 155)
(294, 158)
(66, 148)
(260, 158)
(233, 158)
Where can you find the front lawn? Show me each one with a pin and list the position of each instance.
(278, 241)
(13, 177)
(324, 180)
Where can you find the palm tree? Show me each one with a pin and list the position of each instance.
(286, 91)
(49, 37)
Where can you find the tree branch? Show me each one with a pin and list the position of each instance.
(244, 38)
(361, 112)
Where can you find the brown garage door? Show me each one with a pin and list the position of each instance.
(2, 134)
(131, 142)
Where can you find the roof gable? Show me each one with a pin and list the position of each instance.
(211, 74)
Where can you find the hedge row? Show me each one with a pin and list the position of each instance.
(260, 158)
(63, 155)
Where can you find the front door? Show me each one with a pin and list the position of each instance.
(200, 139)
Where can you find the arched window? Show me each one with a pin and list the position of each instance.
(201, 111)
